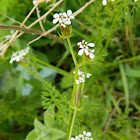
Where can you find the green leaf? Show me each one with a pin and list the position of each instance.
(133, 73)
(119, 136)
(49, 116)
(31, 135)
(55, 134)
(38, 126)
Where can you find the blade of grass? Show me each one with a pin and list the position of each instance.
(125, 87)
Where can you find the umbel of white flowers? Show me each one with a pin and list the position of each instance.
(84, 136)
(81, 76)
(17, 56)
(63, 18)
(84, 48)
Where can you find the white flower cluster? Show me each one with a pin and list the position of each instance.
(104, 2)
(85, 49)
(17, 56)
(81, 76)
(63, 18)
(85, 136)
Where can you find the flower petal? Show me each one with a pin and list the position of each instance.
(91, 55)
(67, 22)
(86, 51)
(91, 44)
(92, 50)
(55, 20)
(88, 75)
(56, 15)
(84, 132)
(72, 17)
(69, 12)
(79, 43)
(83, 41)
(63, 25)
(77, 81)
(88, 134)
(64, 14)
(81, 46)
(80, 52)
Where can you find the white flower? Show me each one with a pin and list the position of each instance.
(81, 76)
(85, 136)
(63, 18)
(83, 46)
(17, 56)
(70, 15)
(135, 0)
(104, 2)
(90, 53)
(80, 72)
(88, 75)
(57, 18)
(85, 49)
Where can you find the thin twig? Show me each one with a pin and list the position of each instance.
(12, 19)
(38, 15)
(13, 27)
(14, 35)
(44, 34)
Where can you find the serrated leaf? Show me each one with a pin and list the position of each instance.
(49, 116)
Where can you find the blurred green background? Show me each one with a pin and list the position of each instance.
(114, 85)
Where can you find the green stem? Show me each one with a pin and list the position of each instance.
(71, 50)
(33, 73)
(60, 71)
(72, 123)
(72, 101)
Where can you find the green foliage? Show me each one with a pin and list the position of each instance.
(117, 135)
(45, 132)
(114, 29)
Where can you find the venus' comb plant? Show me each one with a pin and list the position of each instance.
(64, 20)
(65, 105)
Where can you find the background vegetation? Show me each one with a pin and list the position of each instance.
(112, 94)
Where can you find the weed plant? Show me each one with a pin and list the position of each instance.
(69, 76)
